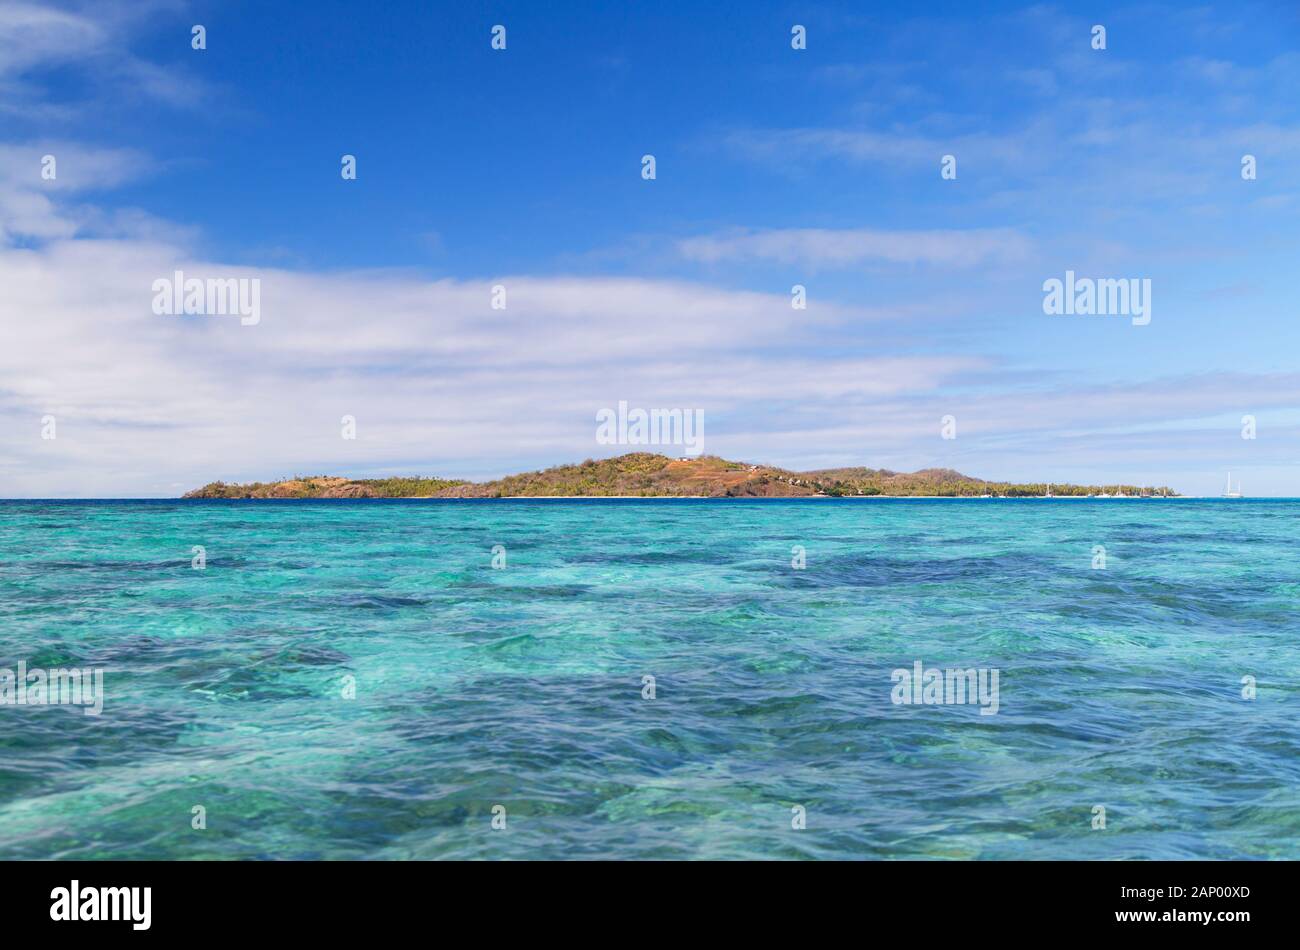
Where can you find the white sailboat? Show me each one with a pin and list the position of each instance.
(1228, 492)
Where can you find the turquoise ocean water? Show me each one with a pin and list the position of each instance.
(523, 687)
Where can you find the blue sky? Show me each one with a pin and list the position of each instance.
(521, 167)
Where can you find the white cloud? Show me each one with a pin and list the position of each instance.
(32, 34)
(901, 147)
(430, 371)
(27, 199)
(828, 248)
(88, 37)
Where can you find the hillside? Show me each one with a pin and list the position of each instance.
(325, 486)
(650, 475)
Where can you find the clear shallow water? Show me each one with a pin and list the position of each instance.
(523, 687)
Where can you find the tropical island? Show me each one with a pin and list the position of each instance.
(649, 475)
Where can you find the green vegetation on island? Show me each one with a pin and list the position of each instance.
(325, 486)
(646, 474)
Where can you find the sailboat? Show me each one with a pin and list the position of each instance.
(1228, 492)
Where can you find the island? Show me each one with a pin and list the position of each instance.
(649, 475)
